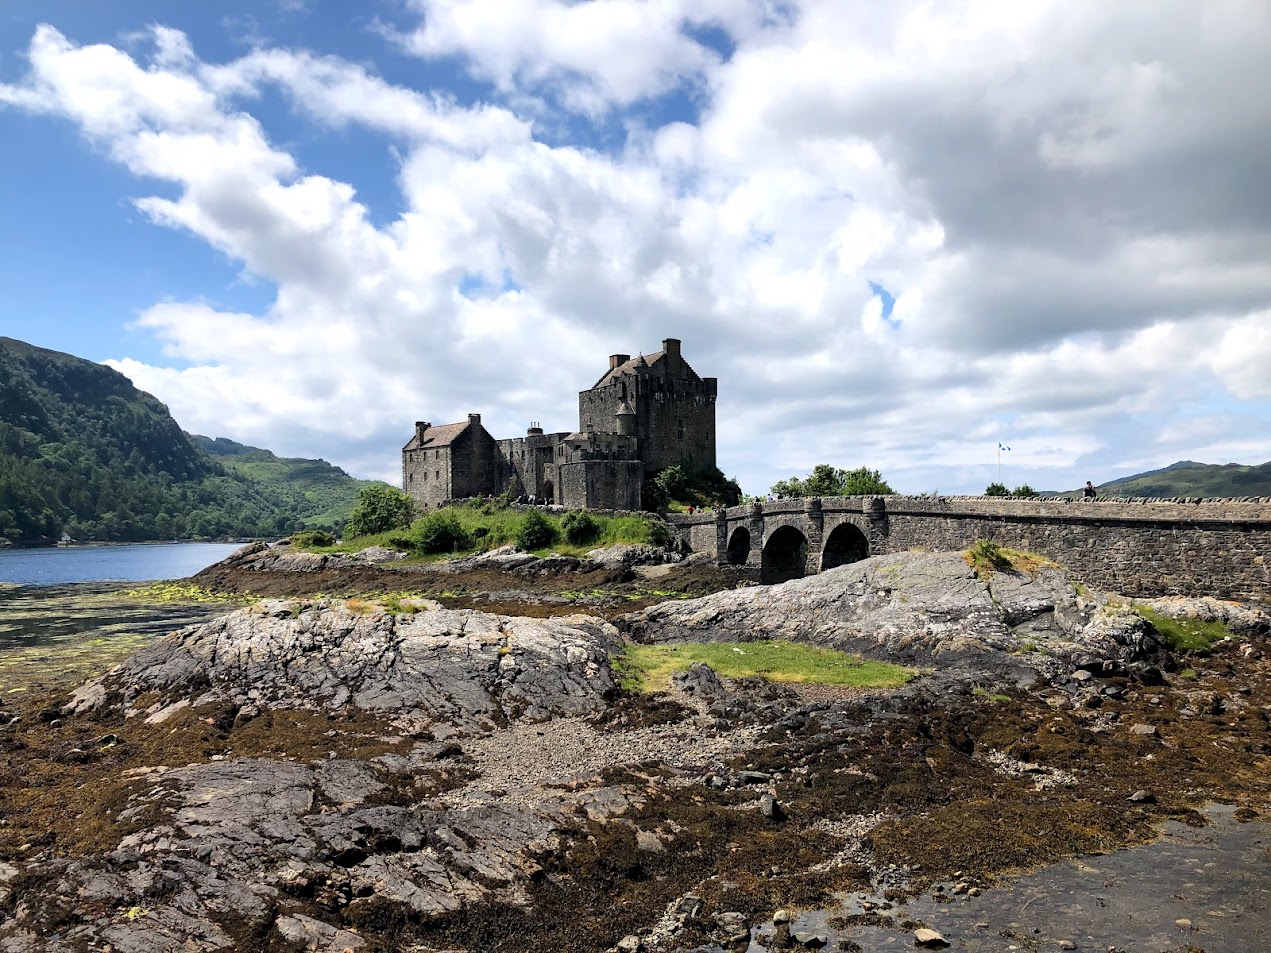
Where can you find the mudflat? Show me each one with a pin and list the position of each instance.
(393, 772)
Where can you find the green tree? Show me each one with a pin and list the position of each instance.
(827, 480)
(379, 509)
(1024, 491)
(996, 489)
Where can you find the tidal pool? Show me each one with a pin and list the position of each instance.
(1194, 889)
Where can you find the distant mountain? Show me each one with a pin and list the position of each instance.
(83, 451)
(316, 485)
(1189, 478)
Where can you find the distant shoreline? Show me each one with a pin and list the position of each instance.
(9, 546)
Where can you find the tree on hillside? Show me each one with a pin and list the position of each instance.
(996, 489)
(379, 508)
(827, 480)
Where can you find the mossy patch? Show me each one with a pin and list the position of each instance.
(648, 668)
(1190, 636)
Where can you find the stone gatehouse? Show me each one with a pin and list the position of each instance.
(642, 415)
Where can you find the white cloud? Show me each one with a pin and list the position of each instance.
(1065, 201)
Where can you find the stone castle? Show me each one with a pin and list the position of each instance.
(644, 414)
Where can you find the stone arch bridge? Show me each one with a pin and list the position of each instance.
(1139, 547)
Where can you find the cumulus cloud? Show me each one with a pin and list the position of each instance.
(1062, 204)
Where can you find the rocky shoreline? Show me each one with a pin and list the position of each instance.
(392, 773)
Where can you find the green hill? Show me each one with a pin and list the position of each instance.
(1188, 478)
(325, 491)
(83, 451)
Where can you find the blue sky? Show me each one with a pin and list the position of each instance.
(896, 233)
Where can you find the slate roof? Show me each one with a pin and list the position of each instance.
(435, 437)
(630, 367)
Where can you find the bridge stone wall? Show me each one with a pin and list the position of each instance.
(1137, 547)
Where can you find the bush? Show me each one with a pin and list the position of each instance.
(379, 509)
(1025, 491)
(996, 489)
(661, 535)
(440, 533)
(579, 528)
(312, 537)
(536, 531)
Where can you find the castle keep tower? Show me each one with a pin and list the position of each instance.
(673, 408)
(641, 416)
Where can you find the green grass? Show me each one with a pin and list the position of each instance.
(989, 697)
(648, 668)
(1189, 636)
(491, 526)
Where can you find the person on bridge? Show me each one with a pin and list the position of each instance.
(1089, 492)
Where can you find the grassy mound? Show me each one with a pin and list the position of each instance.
(648, 668)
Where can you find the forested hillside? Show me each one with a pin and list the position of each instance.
(313, 486)
(83, 451)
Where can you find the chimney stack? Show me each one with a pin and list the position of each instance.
(474, 419)
(617, 360)
(672, 347)
(420, 427)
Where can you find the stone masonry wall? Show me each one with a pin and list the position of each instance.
(1138, 547)
(615, 482)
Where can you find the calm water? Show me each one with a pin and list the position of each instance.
(1206, 889)
(143, 562)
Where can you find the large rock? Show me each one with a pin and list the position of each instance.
(926, 609)
(466, 668)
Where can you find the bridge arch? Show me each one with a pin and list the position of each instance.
(785, 555)
(739, 546)
(845, 544)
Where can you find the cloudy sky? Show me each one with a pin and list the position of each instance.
(898, 233)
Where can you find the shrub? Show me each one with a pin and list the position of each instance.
(536, 531)
(579, 527)
(996, 489)
(312, 537)
(661, 535)
(1025, 491)
(440, 532)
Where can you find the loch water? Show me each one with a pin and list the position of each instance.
(139, 562)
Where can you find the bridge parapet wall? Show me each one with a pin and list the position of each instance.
(1137, 547)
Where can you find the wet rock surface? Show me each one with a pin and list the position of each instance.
(328, 775)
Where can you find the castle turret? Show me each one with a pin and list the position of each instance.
(626, 417)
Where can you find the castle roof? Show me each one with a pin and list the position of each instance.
(631, 367)
(434, 437)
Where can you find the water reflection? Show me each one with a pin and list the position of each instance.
(1205, 888)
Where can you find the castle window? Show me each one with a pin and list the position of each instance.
(680, 428)
(438, 474)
